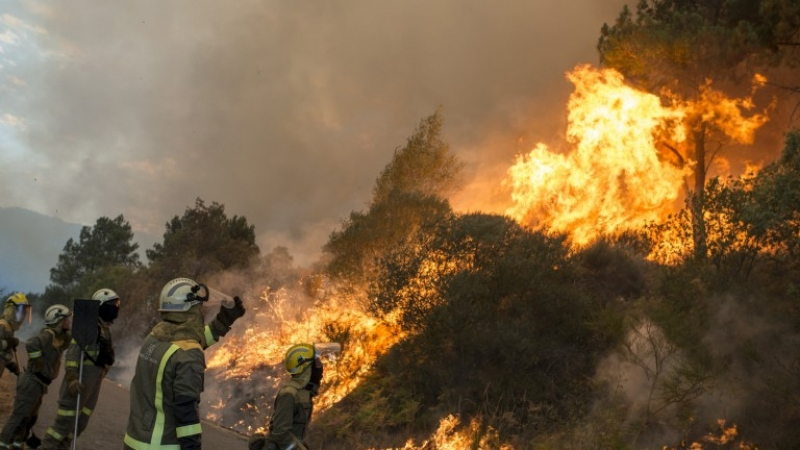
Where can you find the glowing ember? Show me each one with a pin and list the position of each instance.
(727, 438)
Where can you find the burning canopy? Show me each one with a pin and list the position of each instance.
(615, 178)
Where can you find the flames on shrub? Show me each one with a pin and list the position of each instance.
(613, 175)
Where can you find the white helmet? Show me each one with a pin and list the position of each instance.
(54, 314)
(104, 295)
(180, 294)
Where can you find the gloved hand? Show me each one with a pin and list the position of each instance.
(75, 387)
(316, 377)
(13, 367)
(12, 342)
(227, 316)
(257, 441)
(71, 378)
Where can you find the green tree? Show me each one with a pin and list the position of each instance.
(409, 191)
(366, 237)
(424, 166)
(774, 210)
(202, 242)
(674, 47)
(83, 265)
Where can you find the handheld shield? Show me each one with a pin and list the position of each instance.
(85, 315)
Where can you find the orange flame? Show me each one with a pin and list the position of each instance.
(255, 351)
(452, 436)
(614, 179)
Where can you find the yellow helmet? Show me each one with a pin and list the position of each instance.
(16, 308)
(298, 357)
(18, 299)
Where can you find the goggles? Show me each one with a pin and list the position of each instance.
(193, 296)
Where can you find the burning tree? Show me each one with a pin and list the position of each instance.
(675, 48)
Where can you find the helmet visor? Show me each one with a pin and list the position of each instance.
(20, 311)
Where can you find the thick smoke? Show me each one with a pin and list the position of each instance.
(283, 111)
(753, 363)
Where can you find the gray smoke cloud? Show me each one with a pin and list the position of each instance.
(285, 112)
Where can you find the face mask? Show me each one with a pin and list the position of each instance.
(109, 312)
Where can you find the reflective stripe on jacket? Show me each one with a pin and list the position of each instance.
(164, 371)
(72, 359)
(44, 353)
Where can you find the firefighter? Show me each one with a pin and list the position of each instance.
(294, 402)
(44, 360)
(98, 357)
(168, 379)
(15, 310)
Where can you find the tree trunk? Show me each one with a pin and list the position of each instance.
(698, 197)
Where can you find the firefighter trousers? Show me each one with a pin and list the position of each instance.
(60, 434)
(27, 402)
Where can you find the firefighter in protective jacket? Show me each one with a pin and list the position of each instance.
(15, 310)
(44, 360)
(294, 402)
(98, 357)
(168, 379)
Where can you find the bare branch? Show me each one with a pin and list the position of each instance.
(676, 153)
(781, 86)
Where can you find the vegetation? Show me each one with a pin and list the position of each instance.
(675, 48)
(511, 336)
(104, 253)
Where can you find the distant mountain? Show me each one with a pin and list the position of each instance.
(29, 246)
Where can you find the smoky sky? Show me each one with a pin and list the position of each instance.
(283, 111)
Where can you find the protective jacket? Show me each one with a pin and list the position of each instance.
(165, 391)
(99, 353)
(291, 415)
(6, 353)
(44, 353)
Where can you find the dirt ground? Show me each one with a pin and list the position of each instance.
(107, 426)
